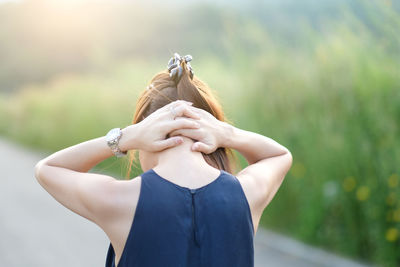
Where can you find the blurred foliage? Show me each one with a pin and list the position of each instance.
(320, 77)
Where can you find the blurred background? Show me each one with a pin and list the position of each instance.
(320, 77)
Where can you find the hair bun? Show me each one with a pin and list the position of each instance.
(174, 66)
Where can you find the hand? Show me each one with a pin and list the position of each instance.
(210, 135)
(150, 134)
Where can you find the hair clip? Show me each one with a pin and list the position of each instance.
(151, 86)
(175, 68)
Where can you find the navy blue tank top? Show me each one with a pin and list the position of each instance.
(176, 226)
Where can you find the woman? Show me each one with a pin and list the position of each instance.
(186, 208)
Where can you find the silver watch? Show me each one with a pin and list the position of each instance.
(112, 139)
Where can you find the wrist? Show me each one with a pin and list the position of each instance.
(227, 135)
(127, 141)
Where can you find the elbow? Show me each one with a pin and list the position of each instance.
(37, 170)
(289, 158)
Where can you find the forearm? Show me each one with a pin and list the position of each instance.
(254, 147)
(84, 156)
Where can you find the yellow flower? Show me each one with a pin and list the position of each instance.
(389, 216)
(396, 215)
(298, 170)
(391, 199)
(362, 193)
(349, 184)
(392, 234)
(393, 180)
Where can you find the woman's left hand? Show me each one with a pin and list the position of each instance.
(150, 134)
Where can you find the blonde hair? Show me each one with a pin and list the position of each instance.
(163, 90)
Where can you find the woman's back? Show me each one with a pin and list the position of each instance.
(174, 225)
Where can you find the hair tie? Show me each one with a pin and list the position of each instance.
(175, 68)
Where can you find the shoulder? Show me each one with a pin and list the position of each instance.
(246, 184)
(254, 193)
(120, 196)
(116, 214)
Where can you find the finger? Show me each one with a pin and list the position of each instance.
(201, 147)
(198, 110)
(201, 112)
(190, 133)
(181, 101)
(176, 103)
(170, 110)
(184, 110)
(167, 143)
(181, 123)
(187, 102)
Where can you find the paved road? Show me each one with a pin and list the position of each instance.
(36, 230)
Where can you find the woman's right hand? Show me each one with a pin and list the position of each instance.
(209, 136)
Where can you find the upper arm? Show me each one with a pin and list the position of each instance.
(93, 196)
(265, 177)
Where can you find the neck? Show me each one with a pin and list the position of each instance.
(181, 158)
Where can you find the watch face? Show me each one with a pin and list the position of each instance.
(113, 134)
